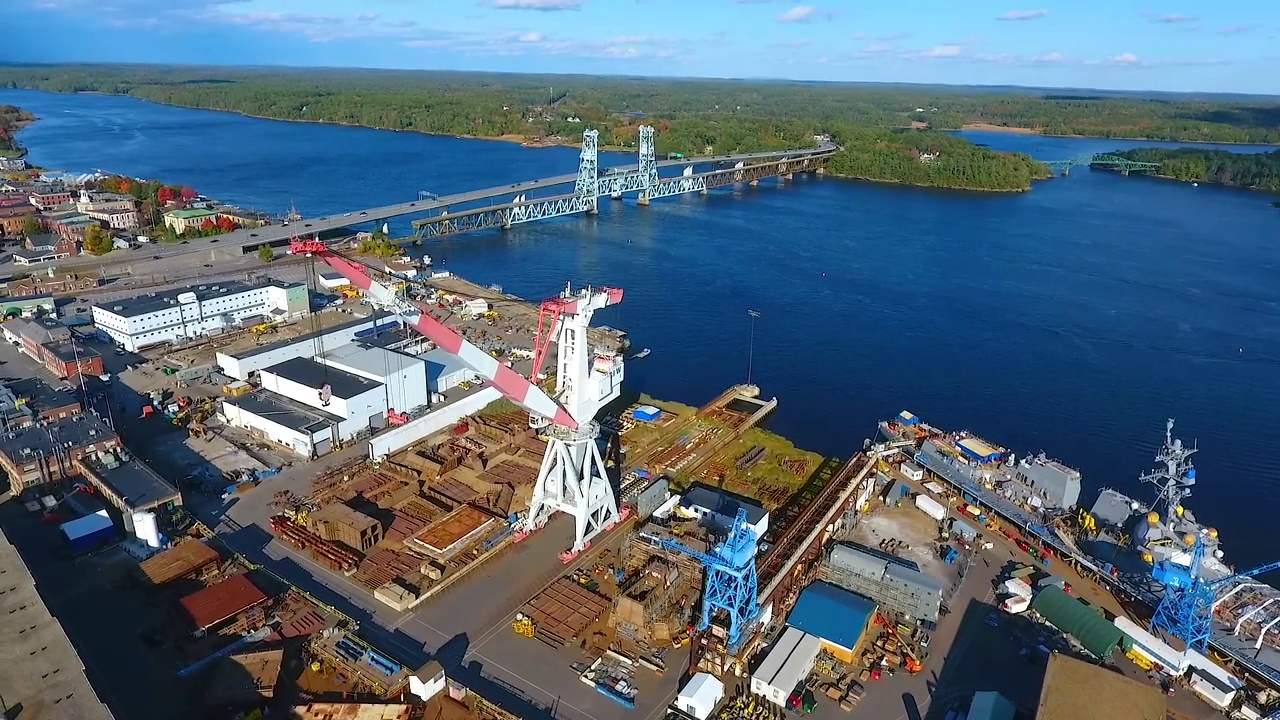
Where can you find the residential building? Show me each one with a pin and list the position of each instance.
(71, 225)
(46, 284)
(45, 248)
(194, 312)
(50, 343)
(184, 220)
(45, 453)
(47, 198)
(13, 219)
(12, 164)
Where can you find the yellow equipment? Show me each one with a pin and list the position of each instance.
(523, 625)
(265, 327)
(1140, 660)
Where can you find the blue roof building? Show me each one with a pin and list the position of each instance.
(837, 616)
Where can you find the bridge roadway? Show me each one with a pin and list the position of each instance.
(280, 233)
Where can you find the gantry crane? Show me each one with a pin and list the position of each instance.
(1185, 611)
(572, 477)
(730, 584)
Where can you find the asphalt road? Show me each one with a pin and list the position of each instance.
(236, 241)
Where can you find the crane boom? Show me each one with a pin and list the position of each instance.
(512, 385)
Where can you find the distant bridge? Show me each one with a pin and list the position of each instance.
(592, 183)
(1106, 160)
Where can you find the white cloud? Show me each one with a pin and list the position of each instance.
(877, 49)
(942, 51)
(1172, 19)
(1237, 30)
(531, 37)
(1024, 15)
(1124, 59)
(1049, 58)
(799, 13)
(541, 5)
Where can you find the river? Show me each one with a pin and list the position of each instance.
(1072, 319)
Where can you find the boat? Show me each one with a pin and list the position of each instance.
(641, 355)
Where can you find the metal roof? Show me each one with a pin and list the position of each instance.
(216, 603)
(177, 562)
(312, 374)
(832, 613)
(1077, 619)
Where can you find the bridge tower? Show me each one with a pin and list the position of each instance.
(647, 165)
(587, 188)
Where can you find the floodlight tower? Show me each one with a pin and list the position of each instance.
(572, 477)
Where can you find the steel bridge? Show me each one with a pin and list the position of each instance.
(1106, 160)
(590, 184)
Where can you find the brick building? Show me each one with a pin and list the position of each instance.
(49, 198)
(51, 344)
(45, 453)
(46, 248)
(14, 218)
(45, 285)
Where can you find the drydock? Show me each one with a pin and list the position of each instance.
(1120, 543)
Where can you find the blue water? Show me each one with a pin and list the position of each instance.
(1072, 319)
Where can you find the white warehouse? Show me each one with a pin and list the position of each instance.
(244, 364)
(360, 403)
(308, 432)
(403, 376)
(195, 312)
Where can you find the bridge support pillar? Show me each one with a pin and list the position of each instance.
(1124, 172)
(1066, 172)
(754, 183)
(786, 176)
(643, 200)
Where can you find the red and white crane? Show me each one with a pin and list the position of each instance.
(572, 477)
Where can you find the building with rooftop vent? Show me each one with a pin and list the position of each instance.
(197, 311)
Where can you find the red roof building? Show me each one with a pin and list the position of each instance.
(221, 602)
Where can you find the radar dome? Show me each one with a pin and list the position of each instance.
(1213, 533)
(1135, 506)
(1218, 554)
(1189, 539)
(1153, 517)
(1179, 510)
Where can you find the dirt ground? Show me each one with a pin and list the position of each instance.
(910, 525)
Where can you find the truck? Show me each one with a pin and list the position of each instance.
(1017, 586)
(931, 507)
(1015, 604)
(1051, 580)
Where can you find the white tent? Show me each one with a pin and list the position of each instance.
(701, 696)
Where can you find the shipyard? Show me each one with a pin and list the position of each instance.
(348, 485)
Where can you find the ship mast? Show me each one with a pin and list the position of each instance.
(1173, 480)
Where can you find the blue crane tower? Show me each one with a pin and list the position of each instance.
(1186, 609)
(730, 584)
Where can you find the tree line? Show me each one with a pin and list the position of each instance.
(11, 121)
(1260, 171)
(492, 105)
(930, 158)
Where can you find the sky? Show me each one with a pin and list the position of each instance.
(1174, 45)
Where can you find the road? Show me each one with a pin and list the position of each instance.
(240, 239)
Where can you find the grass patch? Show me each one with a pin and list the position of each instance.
(667, 406)
(774, 478)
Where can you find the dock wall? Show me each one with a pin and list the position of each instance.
(396, 439)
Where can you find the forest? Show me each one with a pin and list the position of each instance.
(492, 105)
(11, 120)
(1259, 171)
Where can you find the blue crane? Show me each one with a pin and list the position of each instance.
(730, 577)
(1186, 609)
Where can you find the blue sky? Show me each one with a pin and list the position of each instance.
(1127, 44)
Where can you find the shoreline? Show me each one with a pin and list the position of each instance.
(903, 183)
(987, 127)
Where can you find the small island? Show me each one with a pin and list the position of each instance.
(931, 159)
(1255, 171)
(12, 119)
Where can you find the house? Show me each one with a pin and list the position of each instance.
(12, 164)
(46, 284)
(183, 220)
(14, 218)
(45, 248)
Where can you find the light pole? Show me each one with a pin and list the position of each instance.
(751, 343)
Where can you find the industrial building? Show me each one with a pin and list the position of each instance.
(359, 403)
(38, 664)
(308, 432)
(700, 696)
(714, 506)
(404, 377)
(51, 344)
(1056, 484)
(197, 311)
(838, 617)
(445, 371)
(45, 453)
(24, 401)
(787, 664)
(211, 609)
(1079, 620)
(127, 483)
(891, 581)
(1077, 690)
(28, 307)
(243, 365)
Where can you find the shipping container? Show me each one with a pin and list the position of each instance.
(1016, 604)
(646, 413)
(1017, 586)
(912, 471)
(931, 507)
